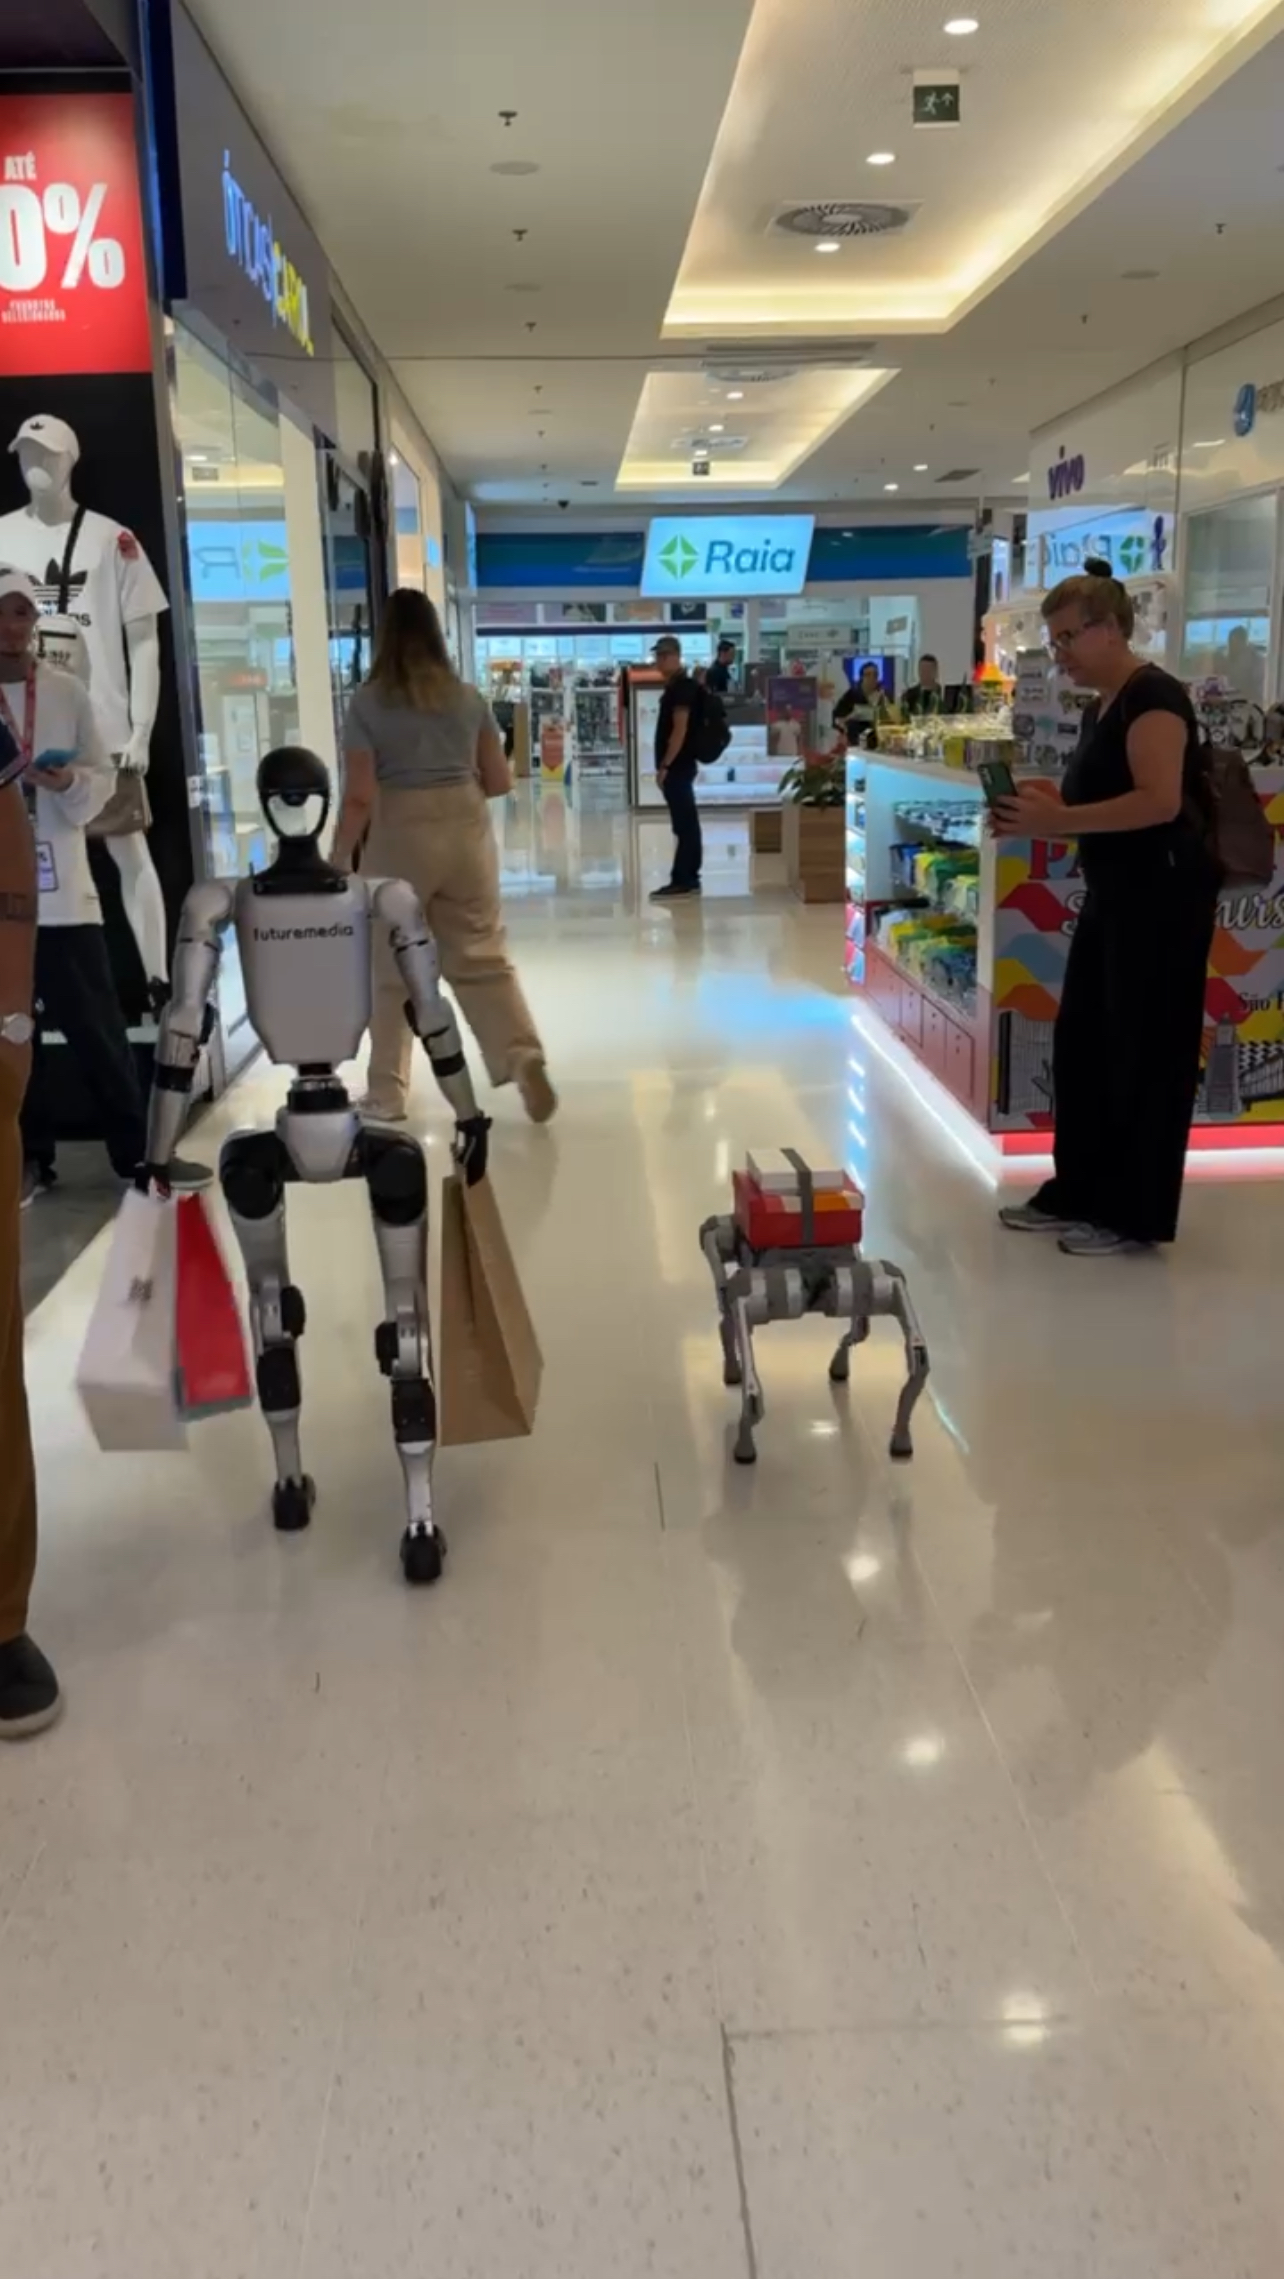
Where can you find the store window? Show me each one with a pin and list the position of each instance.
(1228, 587)
(238, 564)
(349, 584)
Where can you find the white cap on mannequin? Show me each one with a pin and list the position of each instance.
(50, 433)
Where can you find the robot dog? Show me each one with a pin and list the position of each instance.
(757, 1281)
(304, 931)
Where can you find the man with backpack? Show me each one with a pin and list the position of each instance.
(691, 723)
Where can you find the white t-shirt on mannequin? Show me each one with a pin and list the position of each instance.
(112, 585)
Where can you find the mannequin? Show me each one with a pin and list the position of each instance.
(92, 574)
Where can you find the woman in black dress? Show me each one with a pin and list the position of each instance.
(1129, 1031)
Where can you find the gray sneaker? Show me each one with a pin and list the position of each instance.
(1100, 1242)
(1027, 1218)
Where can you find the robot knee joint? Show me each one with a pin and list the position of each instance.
(397, 1178)
(277, 1377)
(252, 1173)
(414, 1411)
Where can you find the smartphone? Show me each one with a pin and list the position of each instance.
(996, 781)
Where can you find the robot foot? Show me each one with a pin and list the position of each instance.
(292, 1502)
(423, 1554)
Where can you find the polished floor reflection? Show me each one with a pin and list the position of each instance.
(825, 1871)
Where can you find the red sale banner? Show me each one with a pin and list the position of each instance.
(73, 279)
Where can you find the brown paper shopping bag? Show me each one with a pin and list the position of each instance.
(490, 1364)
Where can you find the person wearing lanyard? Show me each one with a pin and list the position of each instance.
(29, 1695)
(67, 778)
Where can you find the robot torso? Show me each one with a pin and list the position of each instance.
(306, 966)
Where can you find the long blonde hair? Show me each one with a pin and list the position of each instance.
(411, 661)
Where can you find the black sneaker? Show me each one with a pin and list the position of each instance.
(672, 893)
(29, 1695)
(37, 1179)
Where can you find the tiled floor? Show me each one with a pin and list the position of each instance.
(830, 1871)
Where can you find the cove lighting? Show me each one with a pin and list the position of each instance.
(828, 245)
(881, 158)
(1210, 443)
(958, 27)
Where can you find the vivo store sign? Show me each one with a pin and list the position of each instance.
(732, 556)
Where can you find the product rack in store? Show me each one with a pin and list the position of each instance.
(958, 940)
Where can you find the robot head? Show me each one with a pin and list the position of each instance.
(294, 793)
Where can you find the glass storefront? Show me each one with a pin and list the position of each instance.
(1228, 582)
(266, 645)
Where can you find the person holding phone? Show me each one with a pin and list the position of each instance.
(67, 778)
(1129, 1029)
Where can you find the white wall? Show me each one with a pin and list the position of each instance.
(308, 607)
(1216, 463)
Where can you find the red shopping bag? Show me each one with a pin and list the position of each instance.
(211, 1360)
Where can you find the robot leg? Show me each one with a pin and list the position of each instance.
(396, 1176)
(851, 1293)
(749, 1302)
(718, 1242)
(893, 1289)
(253, 1170)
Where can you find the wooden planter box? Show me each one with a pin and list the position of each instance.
(765, 830)
(815, 852)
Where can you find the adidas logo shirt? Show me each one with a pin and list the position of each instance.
(112, 585)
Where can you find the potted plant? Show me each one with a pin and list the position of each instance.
(813, 792)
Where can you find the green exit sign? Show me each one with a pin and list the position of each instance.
(936, 103)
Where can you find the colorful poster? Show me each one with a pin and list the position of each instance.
(1039, 890)
(73, 280)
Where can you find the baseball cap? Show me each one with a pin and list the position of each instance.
(16, 581)
(53, 434)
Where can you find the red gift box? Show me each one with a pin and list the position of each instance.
(778, 1222)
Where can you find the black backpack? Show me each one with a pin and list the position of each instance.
(710, 731)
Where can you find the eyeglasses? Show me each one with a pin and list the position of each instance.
(1067, 638)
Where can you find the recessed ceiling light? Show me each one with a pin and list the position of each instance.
(881, 158)
(828, 245)
(920, 466)
(735, 395)
(891, 486)
(716, 427)
(393, 460)
(958, 27)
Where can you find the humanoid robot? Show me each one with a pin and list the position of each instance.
(304, 932)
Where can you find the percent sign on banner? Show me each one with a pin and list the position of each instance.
(73, 284)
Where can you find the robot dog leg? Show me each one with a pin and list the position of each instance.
(396, 1175)
(254, 1169)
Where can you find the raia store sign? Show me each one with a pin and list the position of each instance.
(731, 556)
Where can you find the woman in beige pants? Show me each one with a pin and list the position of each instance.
(423, 755)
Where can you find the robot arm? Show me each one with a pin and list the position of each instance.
(397, 906)
(185, 1020)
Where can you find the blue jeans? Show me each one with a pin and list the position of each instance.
(680, 798)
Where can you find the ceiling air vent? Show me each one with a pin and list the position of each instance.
(959, 475)
(755, 364)
(863, 217)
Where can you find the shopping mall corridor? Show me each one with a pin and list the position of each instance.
(828, 1871)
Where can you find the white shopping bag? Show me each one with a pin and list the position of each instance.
(126, 1373)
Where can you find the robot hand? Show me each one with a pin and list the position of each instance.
(472, 1144)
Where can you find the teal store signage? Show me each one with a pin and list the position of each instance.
(688, 556)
